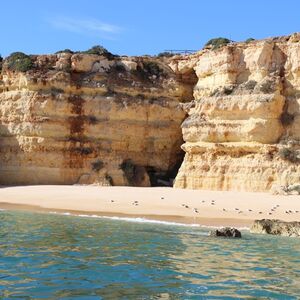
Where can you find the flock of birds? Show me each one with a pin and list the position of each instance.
(237, 210)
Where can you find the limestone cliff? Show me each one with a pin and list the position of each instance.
(83, 118)
(243, 128)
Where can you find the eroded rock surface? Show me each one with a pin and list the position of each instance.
(227, 232)
(243, 128)
(79, 118)
(276, 227)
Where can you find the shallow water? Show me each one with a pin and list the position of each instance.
(45, 256)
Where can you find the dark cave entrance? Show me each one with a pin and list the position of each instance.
(164, 178)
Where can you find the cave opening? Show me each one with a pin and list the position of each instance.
(159, 177)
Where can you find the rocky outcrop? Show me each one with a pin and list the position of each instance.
(242, 132)
(276, 227)
(80, 118)
(227, 232)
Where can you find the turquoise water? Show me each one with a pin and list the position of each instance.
(45, 256)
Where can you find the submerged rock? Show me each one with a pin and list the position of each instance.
(226, 232)
(276, 227)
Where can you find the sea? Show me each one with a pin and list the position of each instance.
(62, 256)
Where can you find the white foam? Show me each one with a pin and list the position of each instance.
(142, 220)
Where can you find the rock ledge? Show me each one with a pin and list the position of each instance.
(276, 227)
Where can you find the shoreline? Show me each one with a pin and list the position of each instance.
(168, 219)
(205, 208)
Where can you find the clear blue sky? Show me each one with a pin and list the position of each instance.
(136, 27)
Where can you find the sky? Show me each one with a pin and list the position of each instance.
(137, 27)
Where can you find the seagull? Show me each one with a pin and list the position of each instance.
(196, 210)
(260, 212)
(203, 201)
(186, 206)
(249, 209)
(224, 209)
(112, 200)
(236, 209)
(162, 198)
(270, 213)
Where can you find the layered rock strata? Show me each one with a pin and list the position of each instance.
(243, 128)
(79, 118)
(83, 118)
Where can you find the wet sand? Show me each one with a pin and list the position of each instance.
(211, 208)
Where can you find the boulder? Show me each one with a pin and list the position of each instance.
(276, 227)
(228, 232)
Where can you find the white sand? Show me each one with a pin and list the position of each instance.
(156, 203)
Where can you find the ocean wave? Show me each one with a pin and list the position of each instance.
(142, 220)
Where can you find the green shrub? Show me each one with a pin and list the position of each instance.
(19, 61)
(216, 43)
(249, 40)
(152, 68)
(65, 51)
(165, 54)
(99, 50)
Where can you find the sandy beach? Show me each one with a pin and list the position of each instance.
(213, 208)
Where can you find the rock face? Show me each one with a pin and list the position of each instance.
(84, 118)
(243, 128)
(79, 118)
(276, 227)
(226, 232)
